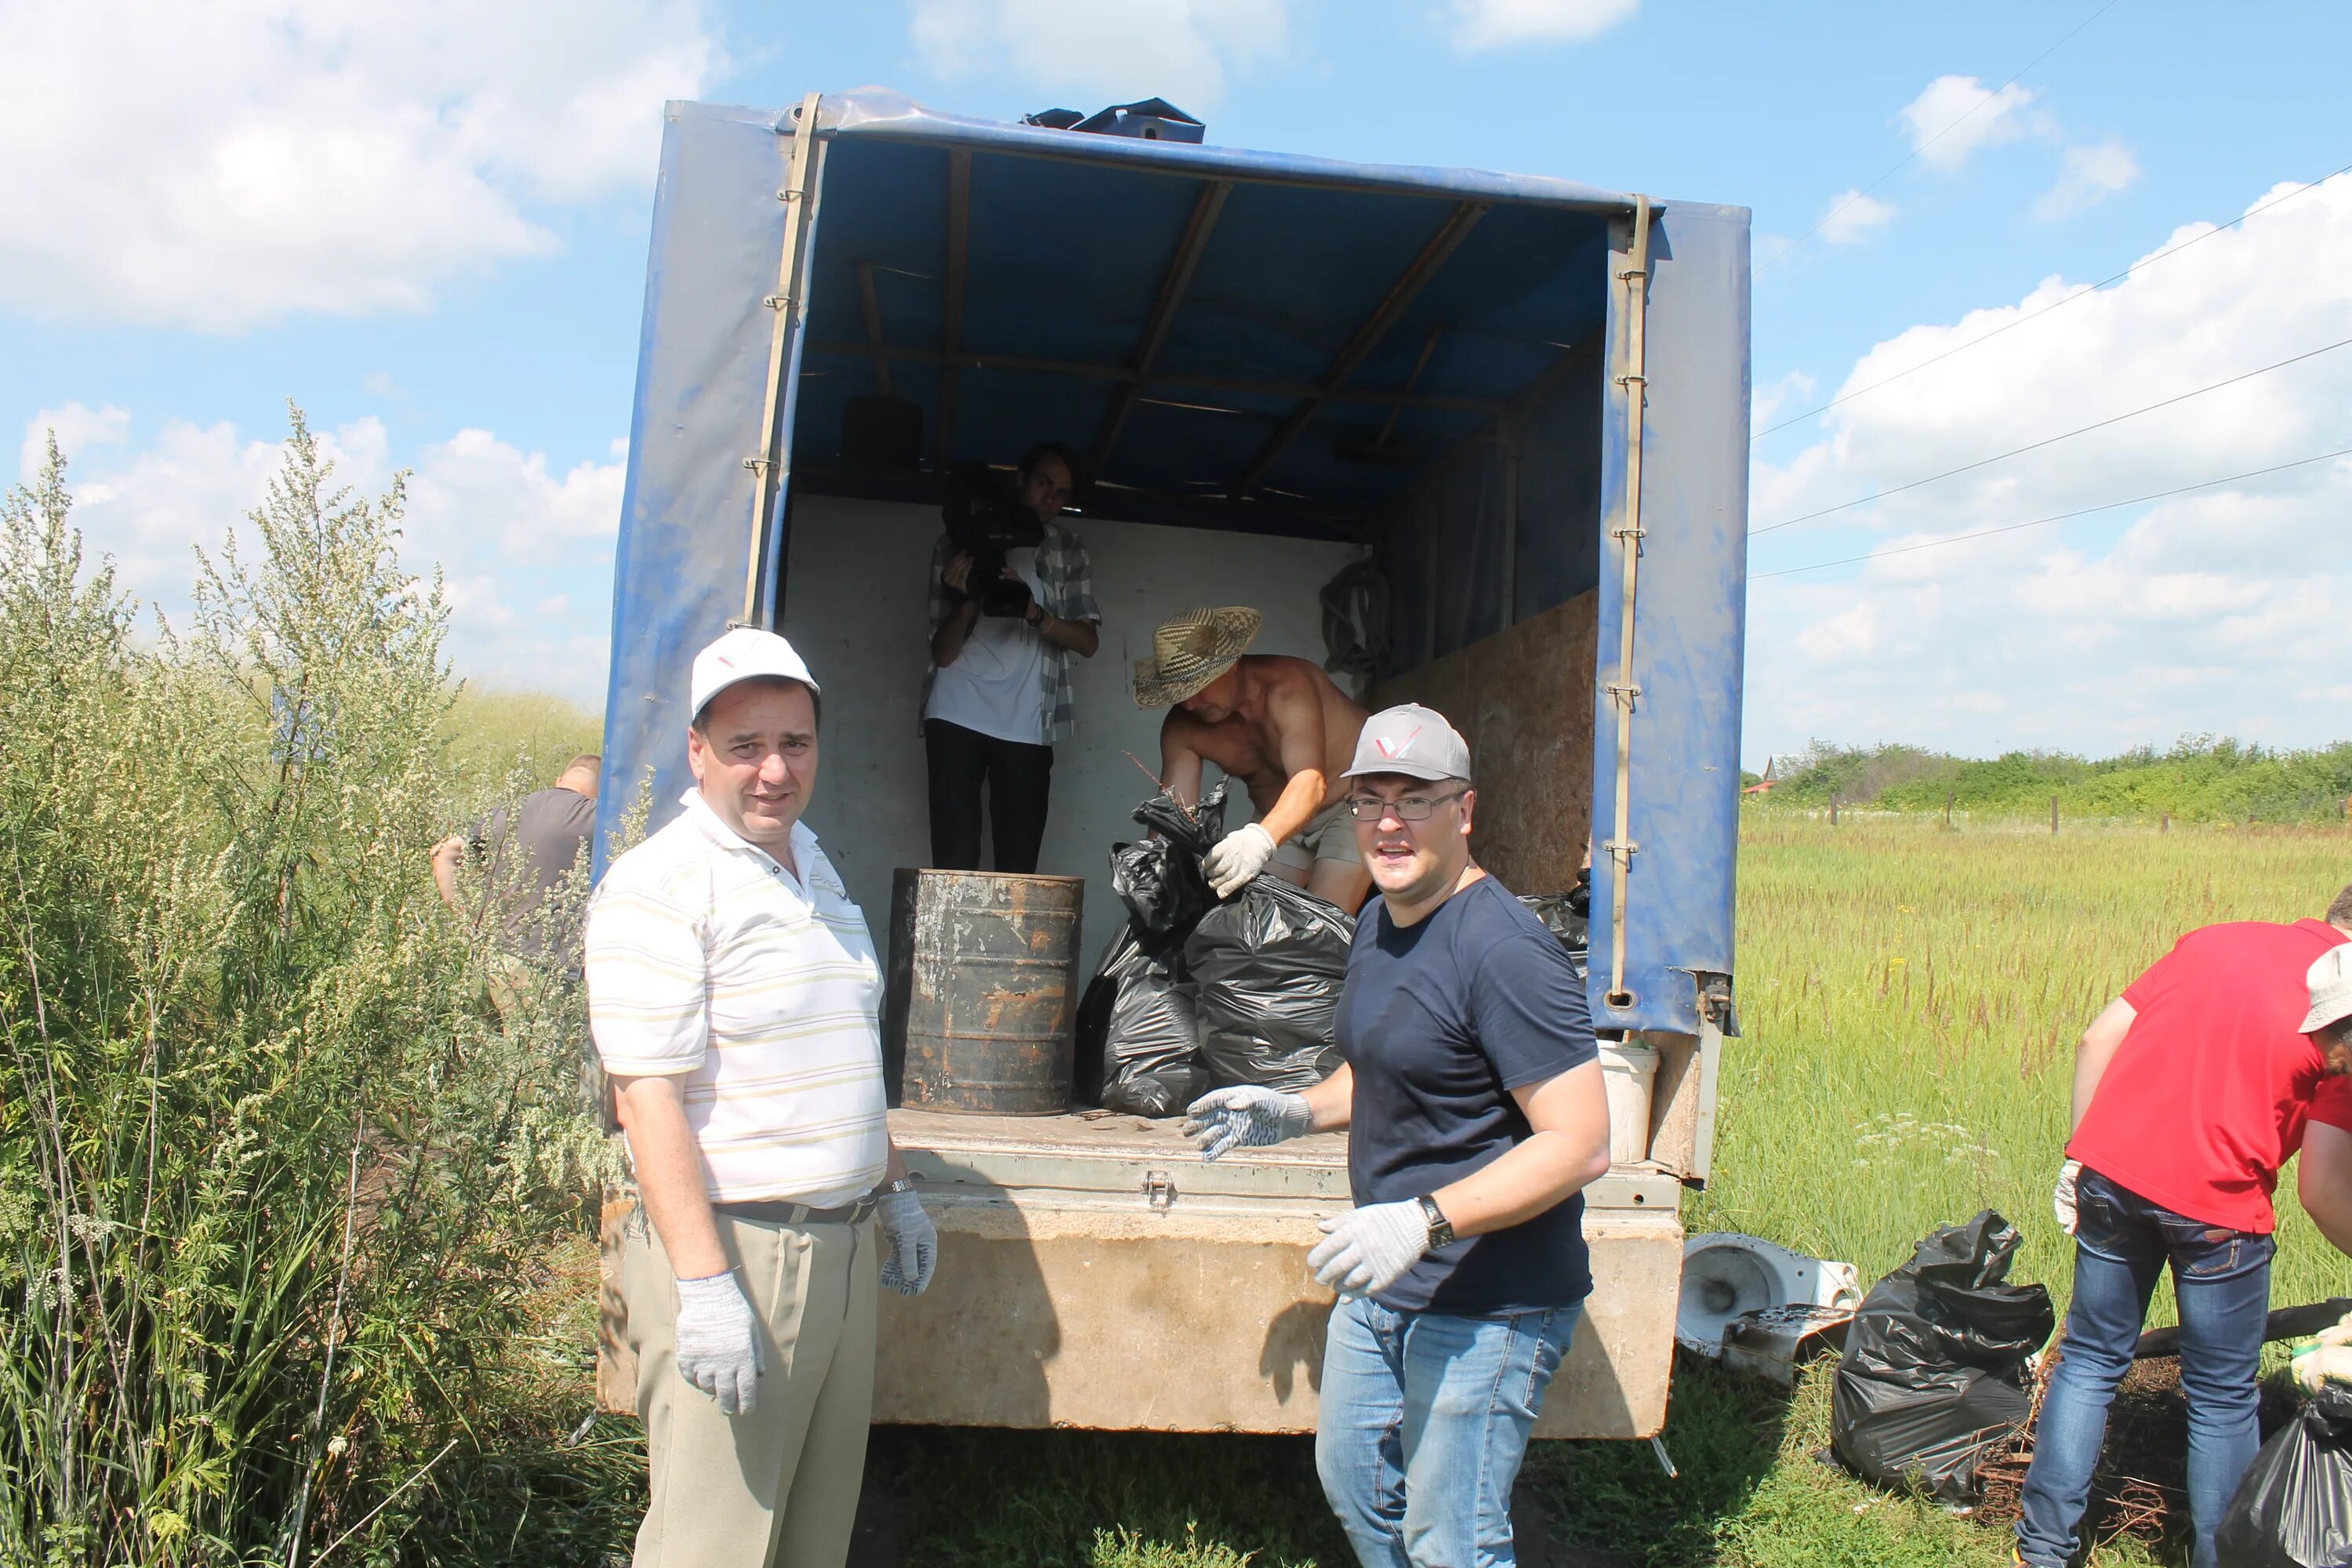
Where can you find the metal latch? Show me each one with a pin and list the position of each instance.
(1159, 1190)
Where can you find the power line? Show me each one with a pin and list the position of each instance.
(2056, 304)
(2048, 441)
(2054, 517)
(1778, 254)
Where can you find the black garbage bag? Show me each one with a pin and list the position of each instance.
(1934, 1370)
(1159, 879)
(1136, 1027)
(1567, 916)
(2294, 1510)
(1266, 966)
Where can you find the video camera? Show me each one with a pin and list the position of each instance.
(985, 520)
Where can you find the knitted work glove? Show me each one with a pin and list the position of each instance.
(1236, 857)
(717, 1346)
(914, 1244)
(2061, 1200)
(1368, 1249)
(1245, 1115)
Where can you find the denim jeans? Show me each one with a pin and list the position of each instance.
(2222, 1280)
(1425, 1419)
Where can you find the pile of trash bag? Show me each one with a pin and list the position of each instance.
(1934, 1376)
(1193, 994)
(2294, 1510)
(1267, 968)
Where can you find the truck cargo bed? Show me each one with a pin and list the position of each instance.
(1096, 1272)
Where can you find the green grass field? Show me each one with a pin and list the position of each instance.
(1908, 997)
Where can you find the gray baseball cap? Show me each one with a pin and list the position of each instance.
(1413, 741)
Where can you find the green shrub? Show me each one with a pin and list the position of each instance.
(275, 1180)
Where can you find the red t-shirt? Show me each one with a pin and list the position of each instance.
(2209, 1093)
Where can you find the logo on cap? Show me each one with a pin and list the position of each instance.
(1393, 749)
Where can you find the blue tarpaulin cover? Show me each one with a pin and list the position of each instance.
(1067, 250)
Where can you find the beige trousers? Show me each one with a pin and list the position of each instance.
(776, 1486)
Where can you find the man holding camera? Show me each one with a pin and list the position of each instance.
(1001, 643)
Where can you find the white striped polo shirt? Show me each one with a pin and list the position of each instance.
(707, 958)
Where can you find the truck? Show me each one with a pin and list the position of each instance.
(1502, 418)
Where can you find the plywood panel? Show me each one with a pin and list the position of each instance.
(1523, 698)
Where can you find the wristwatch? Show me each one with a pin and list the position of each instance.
(1036, 615)
(901, 1184)
(1441, 1229)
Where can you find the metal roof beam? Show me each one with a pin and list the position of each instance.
(1375, 395)
(1401, 295)
(1181, 267)
(952, 337)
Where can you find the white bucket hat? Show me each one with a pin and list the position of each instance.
(2330, 979)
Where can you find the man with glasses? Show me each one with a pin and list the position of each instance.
(1472, 1090)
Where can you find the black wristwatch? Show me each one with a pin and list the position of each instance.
(1036, 616)
(1441, 1229)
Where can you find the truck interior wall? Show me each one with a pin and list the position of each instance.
(1523, 698)
(853, 604)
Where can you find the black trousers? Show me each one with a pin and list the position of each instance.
(1019, 779)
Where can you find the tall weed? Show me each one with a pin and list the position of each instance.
(273, 1176)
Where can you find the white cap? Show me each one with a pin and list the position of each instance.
(1413, 741)
(745, 653)
(2330, 979)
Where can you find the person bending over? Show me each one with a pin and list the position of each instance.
(2191, 1090)
(1276, 723)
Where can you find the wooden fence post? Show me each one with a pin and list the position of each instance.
(2053, 815)
(2164, 823)
(1832, 808)
(1952, 794)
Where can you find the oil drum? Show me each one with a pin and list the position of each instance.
(983, 991)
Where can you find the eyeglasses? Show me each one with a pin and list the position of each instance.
(1412, 808)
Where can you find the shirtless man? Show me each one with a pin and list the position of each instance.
(1276, 723)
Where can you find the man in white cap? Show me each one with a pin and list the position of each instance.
(1275, 722)
(2192, 1090)
(735, 1000)
(1472, 1090)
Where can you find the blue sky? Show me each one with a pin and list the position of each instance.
(427, 227)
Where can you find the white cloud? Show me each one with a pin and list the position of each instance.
(1115, 50)
(2091, 175)
(77, 426)
(1791, 390)
(1498, 24)
(526, 551)
(1956, 115)
(2209, 611)
(232, 163)
(1854, 217)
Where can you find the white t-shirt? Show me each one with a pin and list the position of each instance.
(997, 684)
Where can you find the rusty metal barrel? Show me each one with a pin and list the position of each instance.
(983, 1000)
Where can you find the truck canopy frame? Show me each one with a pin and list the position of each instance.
(1237, 341)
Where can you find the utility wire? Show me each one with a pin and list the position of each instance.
(1776, 256)
(2054, 517)
(2056, 304)
(2048, 441)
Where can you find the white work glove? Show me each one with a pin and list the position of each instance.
(2325, 1359)
(716, 1345)
(1245, 1115)
(1368, 1249)
(2061, 1200)
(914, 1244)
(1236, 857)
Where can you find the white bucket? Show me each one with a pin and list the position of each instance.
(1629, 1072)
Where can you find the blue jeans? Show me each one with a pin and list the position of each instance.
(1425, 1419)
(2222, 1280)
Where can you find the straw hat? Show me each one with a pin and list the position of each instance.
(1190, 650)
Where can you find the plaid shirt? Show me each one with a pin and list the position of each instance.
(1067, 579)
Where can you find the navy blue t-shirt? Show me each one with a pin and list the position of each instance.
(1441, 1021)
